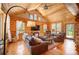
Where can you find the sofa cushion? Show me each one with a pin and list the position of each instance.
(33, 42)
(38, 40)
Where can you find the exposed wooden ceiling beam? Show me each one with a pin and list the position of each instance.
(55, 11)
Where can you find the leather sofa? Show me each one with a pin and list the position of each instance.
(55, 37)
(38, 48)
(59, 37)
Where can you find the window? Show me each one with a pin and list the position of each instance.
(70, 30)
(56, 27)
(20, 27)
(27, 15)
(31, 16)
(45, 27)
(0, 26)
(35, 16)
(40, 18)
(1, 41)
(59, 27)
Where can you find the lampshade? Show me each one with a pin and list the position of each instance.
(30, 23)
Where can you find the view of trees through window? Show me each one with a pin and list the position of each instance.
(45, 27)
(56, 27)
(70, 30)
(20, 27)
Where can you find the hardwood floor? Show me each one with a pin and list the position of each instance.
(69, 47)
(56, 50)
(18, 48)
(66, 48)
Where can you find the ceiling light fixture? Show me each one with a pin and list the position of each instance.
(45, 7)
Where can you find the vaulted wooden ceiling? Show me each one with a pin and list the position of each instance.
(55, 11)
(1, 10)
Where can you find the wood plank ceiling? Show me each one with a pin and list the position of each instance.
(56, 11)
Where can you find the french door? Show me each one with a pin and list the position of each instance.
(70, 30)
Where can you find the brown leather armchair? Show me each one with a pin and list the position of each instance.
(60, 37)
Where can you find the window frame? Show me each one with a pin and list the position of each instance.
(56, 28)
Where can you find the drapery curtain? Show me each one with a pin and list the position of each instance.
(8, 28)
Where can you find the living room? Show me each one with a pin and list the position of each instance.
(41, 28)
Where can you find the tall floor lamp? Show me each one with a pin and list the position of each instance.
(4, 51)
